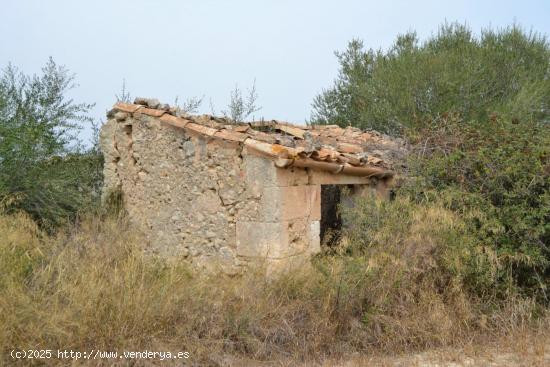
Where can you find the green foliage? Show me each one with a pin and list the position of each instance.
(421, 242)
(501, 170)
(43, 169)
(477, 112)
(504, 72)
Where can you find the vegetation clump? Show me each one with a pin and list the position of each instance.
(477, 112)
(501, 72)
(44, 171)
(92, 286)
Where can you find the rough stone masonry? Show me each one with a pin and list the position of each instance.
(222, 195)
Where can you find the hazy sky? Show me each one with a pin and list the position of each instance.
(169, 48)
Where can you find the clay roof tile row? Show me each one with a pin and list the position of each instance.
(336, 146)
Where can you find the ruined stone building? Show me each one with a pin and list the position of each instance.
(224, 195)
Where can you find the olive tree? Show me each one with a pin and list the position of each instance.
(44, 170)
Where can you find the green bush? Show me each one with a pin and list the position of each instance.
(428, 244)
(504, 72)
(477, 112)
(43, 169)
(500, 170)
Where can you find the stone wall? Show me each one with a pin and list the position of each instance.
(212, 202)
(206, 201)
(180, 190)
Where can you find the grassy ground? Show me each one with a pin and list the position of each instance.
(91, 287)
(529, 349)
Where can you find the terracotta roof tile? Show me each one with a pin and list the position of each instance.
(339, 150)
(241, 129)
(261, 136)
(151, 112)
(352, 159)
(328, 140)
(127, 107)
(295, 131)
(205, 130)
(173, 120)
(349, 148)
(271, 150)
(231, 135)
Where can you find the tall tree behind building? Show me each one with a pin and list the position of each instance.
(504, 72)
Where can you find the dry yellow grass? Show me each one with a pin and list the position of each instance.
(91, 287)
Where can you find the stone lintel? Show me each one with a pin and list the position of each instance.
(327, 178)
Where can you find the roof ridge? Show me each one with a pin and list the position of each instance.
(281, 141)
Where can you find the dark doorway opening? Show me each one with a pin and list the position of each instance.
(331, 222)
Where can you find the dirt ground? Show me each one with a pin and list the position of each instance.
(453, 358)
(521, 352)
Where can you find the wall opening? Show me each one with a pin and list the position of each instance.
(331, 221)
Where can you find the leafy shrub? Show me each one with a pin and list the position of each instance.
(477, 111)
(504, 72)
(43, 170)
(501, 171)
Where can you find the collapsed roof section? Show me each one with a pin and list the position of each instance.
(331, 148)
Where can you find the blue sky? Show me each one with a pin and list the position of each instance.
(169, 48)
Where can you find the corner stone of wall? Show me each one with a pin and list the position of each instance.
(286, 226)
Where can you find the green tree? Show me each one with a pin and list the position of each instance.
(477, 112)
(43, 168)
(504, 72)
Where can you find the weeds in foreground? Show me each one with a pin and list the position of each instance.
(92, 287)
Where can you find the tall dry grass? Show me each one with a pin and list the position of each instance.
(91, 287)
